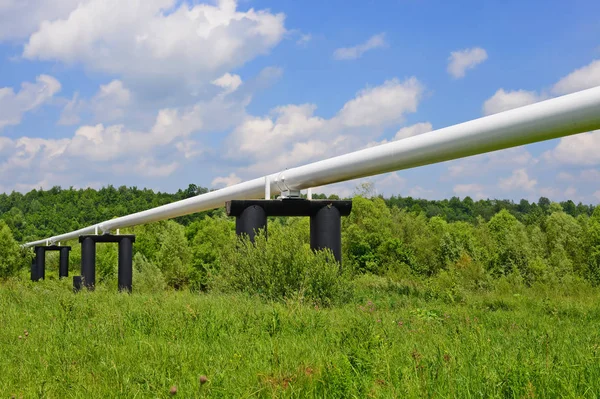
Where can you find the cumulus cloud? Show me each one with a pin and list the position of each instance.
(304, 40)
(580, 149)
(580, 79)
(140, 40)
(293, 134)
(226, 181)
(111, 101)
(31, 96)
(462, 60)
(228, 82)
(413, 130)
(150, 167)
(481, 165)
(505, 100)
(20, 18)
(382, 105)
(102, 143)
(352, 53)
(519, 180)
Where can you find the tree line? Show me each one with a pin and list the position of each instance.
(460, 243)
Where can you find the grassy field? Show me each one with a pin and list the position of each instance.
(392, 340)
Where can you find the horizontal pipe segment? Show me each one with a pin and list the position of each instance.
(562, 116)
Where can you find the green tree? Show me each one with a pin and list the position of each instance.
(11, 256)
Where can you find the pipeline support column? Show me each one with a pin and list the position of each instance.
(326, 231)
(250, 221)
(63, 263)
(125, 272)
(88, 261)
(38, 267)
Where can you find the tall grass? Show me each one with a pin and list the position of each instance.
(393, 339)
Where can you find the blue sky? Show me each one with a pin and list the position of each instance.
(163, 93)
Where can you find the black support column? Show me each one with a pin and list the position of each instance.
(326, 231)
(125, 264)
(250, 221)
(63, 265)
(325, 218)
(88, 261)
(38, 267)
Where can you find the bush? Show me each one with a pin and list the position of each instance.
(147, 277)
(282, 267)
(12, 258)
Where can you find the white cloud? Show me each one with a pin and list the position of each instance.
(149, 167)
(472, 190)
(226, 181)
(100, 143)
(387, 184)
(228, 82)
(580, 149)
(31, 96)
(193, 44)
(565, 176)
(597, 195)
(483, 164)
(292, 134)
(111, 101)
(352, 53)
(71, 111)
(505, 100)
(592, 175)
(20, 18)
(519, 180)
(580, 79)
(462, 60)
(304, 40)
(421, 192)
(188, 148)
(382, 105)
(413, 130)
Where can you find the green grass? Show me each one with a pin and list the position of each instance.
(392, 340)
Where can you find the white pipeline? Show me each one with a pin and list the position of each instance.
(562, 116)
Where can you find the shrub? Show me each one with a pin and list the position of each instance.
(282, 267)
(12, 258)
(147, 277)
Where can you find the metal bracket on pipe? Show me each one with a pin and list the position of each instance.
(286, 192)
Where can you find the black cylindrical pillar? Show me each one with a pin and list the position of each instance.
(250, 221)
(34, 268)
(88, 262)
(76, 283)
(63, 263)
(125, 264)
(326, 231)
(40, 264)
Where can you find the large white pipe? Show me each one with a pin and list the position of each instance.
(562, 116)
